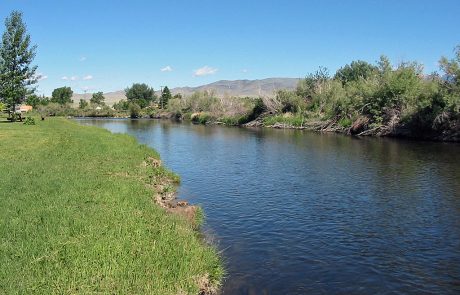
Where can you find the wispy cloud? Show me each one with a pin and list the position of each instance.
(88, 77)
(71, 78)
(204, 71)
(41, 76)
(167, 69)
(87, 88)
(83, 58)
(245, 70)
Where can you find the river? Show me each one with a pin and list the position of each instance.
(297, 212)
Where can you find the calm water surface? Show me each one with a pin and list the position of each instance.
(304, 213)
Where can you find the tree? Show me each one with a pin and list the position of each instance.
(33, 100)
(83, 104)
(17, 75)
(97, 98)
(355, 71)
(140, 94)
(62, 95)
(165, 97)
(44, 100)
(122, 105)
(451, 85)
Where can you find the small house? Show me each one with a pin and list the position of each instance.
(25, 108)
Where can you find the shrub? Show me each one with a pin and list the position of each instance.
(201, 118)
(291, 102)
(29, 121)
(345, 122)
(134, 110)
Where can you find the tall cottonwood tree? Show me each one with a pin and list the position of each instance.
(140, 94)
(17, 75)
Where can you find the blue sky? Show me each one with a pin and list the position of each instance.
(108, 45)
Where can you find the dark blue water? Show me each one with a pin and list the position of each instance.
(303, 213)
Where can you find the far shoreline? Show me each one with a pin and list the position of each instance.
(314, 126)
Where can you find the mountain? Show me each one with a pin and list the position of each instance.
(110, 97)
(241, 88)
(265, 87)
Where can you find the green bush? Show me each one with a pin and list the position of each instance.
(291, 102)
(345, 122)
(201, 118)
(29, 121)
(134, 110)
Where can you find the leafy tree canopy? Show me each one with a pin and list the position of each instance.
(83, 104)
(140, 94)
(33, 100)
(451, 85)
(355, 71)
(97, 98)
(17, 75)
(62, 95)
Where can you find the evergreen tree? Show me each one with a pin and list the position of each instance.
(165, 97)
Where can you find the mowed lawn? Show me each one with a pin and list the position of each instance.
(77, 217)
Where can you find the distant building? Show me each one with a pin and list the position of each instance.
(24, 108)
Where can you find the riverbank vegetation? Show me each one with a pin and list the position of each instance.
(360, 98)
(77, 216)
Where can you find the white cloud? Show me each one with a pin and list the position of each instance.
(40, 76)
(167, 69)
(83, 58)
(244, 70)
(204, 71)
(88, 77)
(74, 78)
(64, 78)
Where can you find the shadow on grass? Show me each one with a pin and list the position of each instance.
(2, 120)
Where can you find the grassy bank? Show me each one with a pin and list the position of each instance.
(77, 216)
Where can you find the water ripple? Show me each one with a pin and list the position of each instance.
(304, 213)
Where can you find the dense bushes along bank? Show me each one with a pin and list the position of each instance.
(361, 98)
(77, 216)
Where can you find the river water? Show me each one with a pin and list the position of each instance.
(296, 212)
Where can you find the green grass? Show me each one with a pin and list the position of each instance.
(292, 120)
(77, 217)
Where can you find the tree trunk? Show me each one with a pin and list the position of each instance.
(13, 116)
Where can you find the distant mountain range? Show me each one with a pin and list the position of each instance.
(241, 88)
